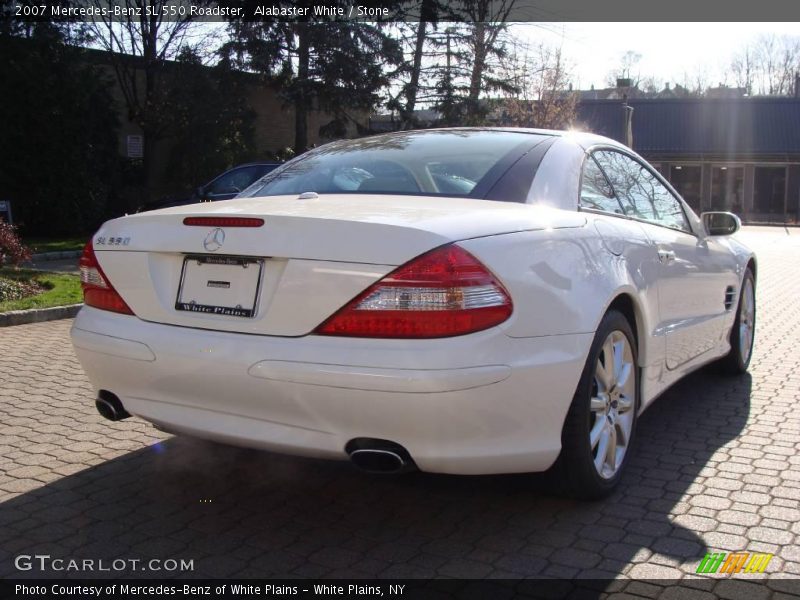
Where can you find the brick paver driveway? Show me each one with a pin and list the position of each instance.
(716, 469)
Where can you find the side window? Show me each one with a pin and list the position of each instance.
(641, 194)
(623, 173)
(667, 208)
(596, 193)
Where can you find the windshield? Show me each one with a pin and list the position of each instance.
(429, 163)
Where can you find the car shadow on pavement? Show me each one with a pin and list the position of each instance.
(244, 513)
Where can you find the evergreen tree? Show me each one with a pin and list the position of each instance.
(139, 44)
(416, 36)
(211, 125)
(468, 58)
(336, 67)
(59, 154)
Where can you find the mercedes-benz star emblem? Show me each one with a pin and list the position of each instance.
(214, 240)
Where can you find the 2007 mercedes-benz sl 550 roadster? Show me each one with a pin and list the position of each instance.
(465, 301)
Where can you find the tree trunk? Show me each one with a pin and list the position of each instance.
(413, 85)
(149, 117)
(478, 67)
(148, 165)
(301, 97)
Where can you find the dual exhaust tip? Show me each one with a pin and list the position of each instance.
(370, 455)
(110, 407)
(379, 456)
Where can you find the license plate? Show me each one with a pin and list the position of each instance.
(220, 285)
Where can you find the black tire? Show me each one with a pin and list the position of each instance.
(575, 466)
(735, 362)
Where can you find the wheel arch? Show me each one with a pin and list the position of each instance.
(752, 265)
(625, 303)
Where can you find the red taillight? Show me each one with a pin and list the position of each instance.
(97, 289)
(223, 221)
(443, 293)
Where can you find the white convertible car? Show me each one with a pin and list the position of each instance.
(462, 301)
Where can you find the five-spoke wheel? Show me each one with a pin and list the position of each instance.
(612, 403)
(601, 421)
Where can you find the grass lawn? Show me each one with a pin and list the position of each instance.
(61, 289)
(56, 244)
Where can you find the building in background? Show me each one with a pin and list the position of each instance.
(735, 154)
(273, 123)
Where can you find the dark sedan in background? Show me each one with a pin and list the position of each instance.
(223, 187)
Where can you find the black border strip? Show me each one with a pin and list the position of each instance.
(394, 589)
(532, 11)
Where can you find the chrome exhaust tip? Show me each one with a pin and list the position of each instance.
(379, 456)
(110, 407)
(377, 461)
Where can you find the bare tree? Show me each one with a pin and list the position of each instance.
(742, 69)
(652, 85)
(767, 65)
(627, 69)
(543, 98)
(694, 83)
(777, 59)
(139, 43)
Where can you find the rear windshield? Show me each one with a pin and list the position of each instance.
(430, 163)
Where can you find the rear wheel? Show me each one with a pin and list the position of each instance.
(600, 425)
(744, 328)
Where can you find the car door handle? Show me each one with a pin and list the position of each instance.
(666, 257)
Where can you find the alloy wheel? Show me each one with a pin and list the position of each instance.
(747, 320)
(612, 404)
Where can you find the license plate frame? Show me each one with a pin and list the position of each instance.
(191, 268)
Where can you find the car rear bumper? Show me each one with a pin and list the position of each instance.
(483, 403)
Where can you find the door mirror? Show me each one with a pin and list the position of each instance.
(721, 223)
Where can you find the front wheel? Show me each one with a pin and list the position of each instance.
(600, 425)
(743, 331)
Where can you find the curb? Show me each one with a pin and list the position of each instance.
(46, 256)
(38, 315)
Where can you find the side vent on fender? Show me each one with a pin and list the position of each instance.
(730, 297)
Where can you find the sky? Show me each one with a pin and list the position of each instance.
(669, 50)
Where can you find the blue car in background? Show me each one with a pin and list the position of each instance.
(223, 187)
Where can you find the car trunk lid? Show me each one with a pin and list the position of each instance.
(309, 258)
